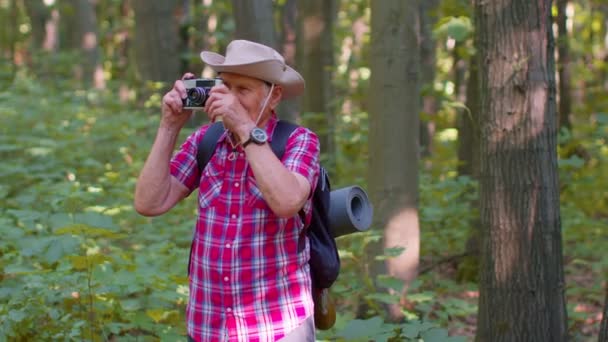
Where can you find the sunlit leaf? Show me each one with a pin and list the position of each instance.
(389, 282)
(89, 231)
(384, 297)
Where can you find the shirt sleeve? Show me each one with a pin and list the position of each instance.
(183, 165)
(302, 155)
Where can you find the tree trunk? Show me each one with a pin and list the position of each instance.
(522, 277)
(468, 126)
(315, 61)
(289, 109)
(393, 134)
(156, 41)
(428, 59)
(563, 49)
(38, 13)
(468, 165)
(255, 22)
(8, 41)
(289, 27)
(80, 34)
(603, 336)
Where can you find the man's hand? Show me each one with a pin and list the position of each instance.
(222, 103)
(174, 115)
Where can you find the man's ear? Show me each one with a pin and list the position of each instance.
(275, 98)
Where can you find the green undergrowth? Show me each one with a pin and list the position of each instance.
(77, 263)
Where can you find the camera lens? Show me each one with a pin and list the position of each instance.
(197, 96)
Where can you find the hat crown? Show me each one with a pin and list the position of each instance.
(244, 51)
(255, 60)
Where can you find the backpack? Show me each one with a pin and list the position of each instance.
(324, 259)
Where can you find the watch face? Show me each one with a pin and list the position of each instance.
(258, 135)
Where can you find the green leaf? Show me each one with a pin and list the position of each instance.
(435, 335)
(411, 330)
(421, 297)
(89, 231)
(84, 262)
(390, 282)
(391, 252)
(384, 297)
(362, 330)
(458, 28)
(59, 247)
(131, 304)
(16, 315)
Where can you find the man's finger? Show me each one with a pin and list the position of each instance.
(180, 88)
(188, 76)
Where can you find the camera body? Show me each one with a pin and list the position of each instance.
(197, 90)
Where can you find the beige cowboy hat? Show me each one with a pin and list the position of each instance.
(258, 61)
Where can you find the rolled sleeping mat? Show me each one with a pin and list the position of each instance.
(349, 211)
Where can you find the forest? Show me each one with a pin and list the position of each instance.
(477, 128)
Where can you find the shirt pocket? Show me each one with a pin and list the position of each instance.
(211, 183)
(255, 199)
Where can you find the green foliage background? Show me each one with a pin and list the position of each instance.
(77, 263)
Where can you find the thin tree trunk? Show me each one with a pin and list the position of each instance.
(522, 278)
(393, 135)
(39, 14)
(80, 34)
(156, 41)
(468, 126)
(565, 98)
(428, 59)
(468, 157)
(315, 60)
(289, 109)
(255, 21)
(10, 39)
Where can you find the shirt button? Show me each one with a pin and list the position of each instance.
(227, 245)
(226, 278)
(233, 216)
(236, 184)
(228, 309)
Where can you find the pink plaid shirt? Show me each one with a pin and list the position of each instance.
(249, 280)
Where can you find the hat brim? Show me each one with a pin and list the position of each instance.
(270, 70)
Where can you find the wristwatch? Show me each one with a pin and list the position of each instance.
(257, 136)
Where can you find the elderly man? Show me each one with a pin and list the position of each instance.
(249, 273)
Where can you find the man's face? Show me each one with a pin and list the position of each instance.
(251, 93)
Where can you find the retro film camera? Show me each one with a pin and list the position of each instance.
(197, 90)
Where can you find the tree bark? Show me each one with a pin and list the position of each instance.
(522, 277)
(315, 61)
(255, 21)
(156, 41)
(563, 51)
(393, 135)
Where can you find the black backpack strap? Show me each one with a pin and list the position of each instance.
(206, 147)
(280, 136)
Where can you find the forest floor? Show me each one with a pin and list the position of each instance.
(584, 300)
